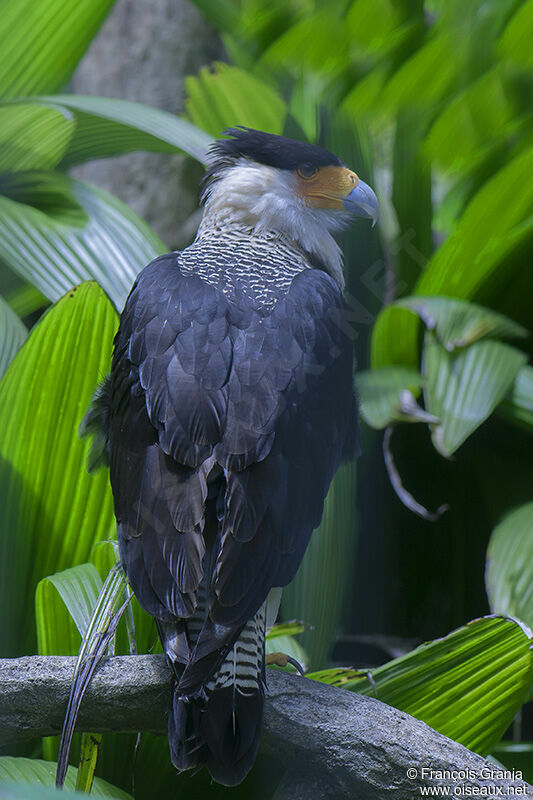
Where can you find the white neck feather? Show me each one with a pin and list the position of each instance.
(264, 200)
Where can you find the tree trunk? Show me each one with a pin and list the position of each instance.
(142, 53)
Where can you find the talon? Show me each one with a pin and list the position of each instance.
(282, 659)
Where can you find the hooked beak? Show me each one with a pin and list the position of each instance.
(362, 202)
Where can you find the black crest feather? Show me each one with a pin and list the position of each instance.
(269, 149)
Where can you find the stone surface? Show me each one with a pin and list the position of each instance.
(333, 743)
(142, 53)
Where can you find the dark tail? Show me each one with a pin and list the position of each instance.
(219, 725)
(220, 732)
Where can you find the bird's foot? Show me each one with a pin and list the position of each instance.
(282, 659)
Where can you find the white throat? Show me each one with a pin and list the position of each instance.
(264, 200)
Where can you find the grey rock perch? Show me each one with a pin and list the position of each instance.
(334, 744)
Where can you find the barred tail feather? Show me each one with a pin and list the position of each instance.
(221, 732)
(220, 726)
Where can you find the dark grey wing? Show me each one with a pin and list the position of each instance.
(200, 381)
(304, 404)
(165, 420)
(291, 419)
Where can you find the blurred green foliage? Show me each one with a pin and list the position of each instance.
(430, 102)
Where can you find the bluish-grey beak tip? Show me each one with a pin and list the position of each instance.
(362, 202)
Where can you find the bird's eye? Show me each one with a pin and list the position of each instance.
(307, 171)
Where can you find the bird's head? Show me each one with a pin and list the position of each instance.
(272, 184)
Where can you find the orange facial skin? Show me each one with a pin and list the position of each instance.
(327, 188)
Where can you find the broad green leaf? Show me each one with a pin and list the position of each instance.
(342, 677)
(449, 210)
(287, 629)
(515, 42)
(395, 339)
(14, 791)
(388, 394)
(64, 603)
(308, 44)
(457, 323)
(258, 24)
(221, 96)
(496, 219)
(462, 389)
(517, 406)
(57, 232)
(104, 556)
(467, 685)
(20, 295)
(40, 774)
(12, 334)
(484, 114)
(41, 41)
(108, 127)
(428, 74)
(26, 300)
(51, 510)
(509, 572)
(222, 14)
(478, 253)
(317, 593)
(304, 104)
(365, 97)
(375, 28)
(33, 136)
